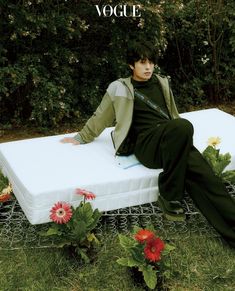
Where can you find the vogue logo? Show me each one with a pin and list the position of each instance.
(118, 10)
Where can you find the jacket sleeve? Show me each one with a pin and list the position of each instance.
(174, 109)
(103, 117)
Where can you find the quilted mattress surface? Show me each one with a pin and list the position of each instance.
(43, 171)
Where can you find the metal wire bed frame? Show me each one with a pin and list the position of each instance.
(17, 233)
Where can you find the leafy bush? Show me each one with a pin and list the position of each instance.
(199, 52)
(57, 57)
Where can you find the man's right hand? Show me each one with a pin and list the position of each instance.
(70, 140)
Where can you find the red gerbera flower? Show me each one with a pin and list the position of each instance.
(61, 212)
(153, 249)
(86, 194)
(5, 197)
(144, 235)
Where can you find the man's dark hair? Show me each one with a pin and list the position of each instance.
(141, 51)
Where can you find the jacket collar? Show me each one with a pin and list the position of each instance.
(128, 84)
(162, 80)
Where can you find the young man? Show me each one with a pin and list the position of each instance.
(147, 124)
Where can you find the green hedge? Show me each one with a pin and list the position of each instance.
(200, 51)
(57, 57)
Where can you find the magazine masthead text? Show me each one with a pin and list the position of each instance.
(118, 10)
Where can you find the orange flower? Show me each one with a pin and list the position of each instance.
(144, 235)
(61, 212)
(153, 249)
(86, 194)
(5, 197)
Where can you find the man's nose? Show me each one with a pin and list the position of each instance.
(147, 65)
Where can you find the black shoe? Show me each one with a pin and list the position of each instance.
(172, 209)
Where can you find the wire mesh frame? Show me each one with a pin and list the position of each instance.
(17, 233)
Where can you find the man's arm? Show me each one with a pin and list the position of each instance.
(103, 117)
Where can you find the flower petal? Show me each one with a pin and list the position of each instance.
(87, 194)
(5, 197)
(153, 249)
(144, 235)
(61, 212)
(214, 141)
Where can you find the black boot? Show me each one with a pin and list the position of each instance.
(172, 209)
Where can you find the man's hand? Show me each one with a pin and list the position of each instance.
(70, 140)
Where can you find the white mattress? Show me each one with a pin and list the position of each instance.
(43, 171)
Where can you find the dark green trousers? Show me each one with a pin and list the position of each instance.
(170, 146)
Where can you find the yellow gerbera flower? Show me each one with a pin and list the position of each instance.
(7, 190)
(214, 141)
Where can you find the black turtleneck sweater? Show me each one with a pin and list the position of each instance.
(145, 118)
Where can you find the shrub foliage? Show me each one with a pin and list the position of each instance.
(57, 57)
(200, 36)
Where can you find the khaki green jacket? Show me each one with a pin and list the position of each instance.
(117, 106)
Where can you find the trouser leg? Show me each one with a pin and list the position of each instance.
(167, 147)
(210, 196)
(174, 148)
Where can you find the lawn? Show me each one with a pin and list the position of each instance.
(199, 262)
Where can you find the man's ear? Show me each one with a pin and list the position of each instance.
(132, 68)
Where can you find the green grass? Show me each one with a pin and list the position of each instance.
(201, 263)
(52, 269)
(198, 263)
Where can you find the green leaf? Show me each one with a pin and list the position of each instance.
(210, 151)
(168, 248)
(129, 262)
(95, 219)
(229, 176)
(211, 155)
(123, 261)
(62, 244)
(86, 210)
(3, 182)
(222, 162)
(50, 231)
(133, 263)
(137, 253)
(85, 213)
(79, 230)
(150, 277)
(92, 238)
(126, 242)
(217, 161)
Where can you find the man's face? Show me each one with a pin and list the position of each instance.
(142, 70)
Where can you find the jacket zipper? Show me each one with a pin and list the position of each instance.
(132, 114)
